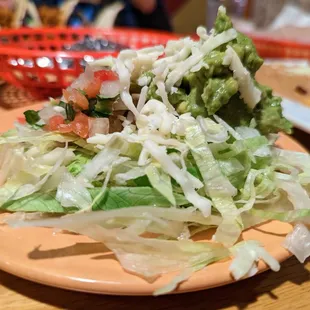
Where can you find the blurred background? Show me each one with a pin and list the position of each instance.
(44, 45)
(181, 16)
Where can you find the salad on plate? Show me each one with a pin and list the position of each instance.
(146, 150)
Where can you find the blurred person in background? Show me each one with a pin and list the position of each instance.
(145, 14)
(128, 13)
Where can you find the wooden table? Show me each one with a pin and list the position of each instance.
(287, 289)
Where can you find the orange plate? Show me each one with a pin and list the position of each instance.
(77, 263)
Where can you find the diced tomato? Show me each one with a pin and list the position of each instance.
(65, 128)
(76, 97)
(22, 120)
(106, 75)
(79, 126)
(54, 122)
(93, 88)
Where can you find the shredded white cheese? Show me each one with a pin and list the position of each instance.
(174, 90)
(178, 54)
(202, 33)
(161, 72)
(209, 45)
(142, 98)
(144, 158)
(222, 9)
(217, 40)
(124, 78)
(144, 80)
(161, 91)
(154, 51)
(173, 47)
(102, 62)
(250, 94)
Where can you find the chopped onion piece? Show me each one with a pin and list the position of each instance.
(110, 89)
(98, 126)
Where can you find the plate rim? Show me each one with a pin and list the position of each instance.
(138, 286)
(295, 112)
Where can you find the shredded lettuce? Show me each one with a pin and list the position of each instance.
(30, 188)
(77, 165)
(161, 181)
(133, 173)
(183, 179)
(298, 242)
(297, 195)
(246, 254)
(101, 162)
(37, 202)
(291, 216)
(36, 137)
(71, 192)
(113, 198)
(217, 186)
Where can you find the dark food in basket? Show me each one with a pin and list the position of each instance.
(88, 44)
(95, 44)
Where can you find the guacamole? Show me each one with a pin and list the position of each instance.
(214, 90)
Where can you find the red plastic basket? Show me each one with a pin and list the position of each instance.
(33, 58)
(274, 48)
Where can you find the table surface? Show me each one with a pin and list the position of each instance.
(287, 289)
